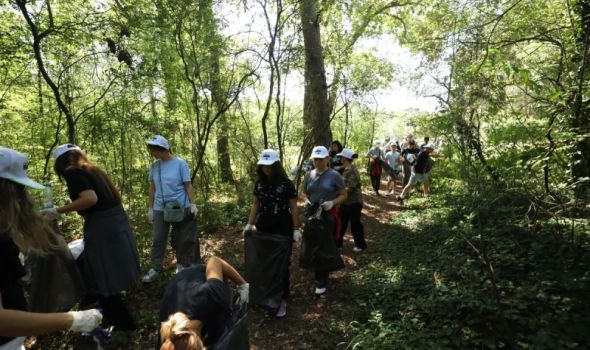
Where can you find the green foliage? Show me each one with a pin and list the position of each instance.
(428, 289)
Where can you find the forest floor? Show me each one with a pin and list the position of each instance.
(309, 320)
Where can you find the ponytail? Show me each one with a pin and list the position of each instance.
(176, 334)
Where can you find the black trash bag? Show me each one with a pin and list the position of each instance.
(236, 336)
(267, 258)
(55, 283)
(318, 248)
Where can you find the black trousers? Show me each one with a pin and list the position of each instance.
(376, 182)
(116, 312)
(352, 213)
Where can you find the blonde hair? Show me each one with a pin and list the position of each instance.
(176, 334)
(22, 221)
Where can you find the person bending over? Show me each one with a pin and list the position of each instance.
(196, 307)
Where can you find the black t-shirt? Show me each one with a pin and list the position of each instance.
(409, 151)
(11, 271)
(420, 166)
(78, 180)
(200, 299)
(274, 199)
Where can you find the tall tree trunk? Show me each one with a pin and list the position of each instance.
(580, 118)
(316, 110)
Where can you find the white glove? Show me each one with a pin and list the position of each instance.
(244, 293)
(50, 213)
(297, 235)
(85, 321)
(327, 205)
(151, 214)
(194, 209)
(247, 228)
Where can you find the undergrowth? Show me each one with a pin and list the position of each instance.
(428, 288)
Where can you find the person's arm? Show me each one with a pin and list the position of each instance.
(254, 210)
(151, 192)
(294, 213)
(85, 200)
(219, 269)
(15, 323)
(341, 198)
(190, 192)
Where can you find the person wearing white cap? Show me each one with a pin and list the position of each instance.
(419, 173)
(23, 229)
(351, 209)
(110, 262)
(170, 185)
(274, 208)
(325, 187)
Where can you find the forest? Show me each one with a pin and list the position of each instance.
(498, 257)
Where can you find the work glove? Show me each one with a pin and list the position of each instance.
(327, 205)
(194, 209)
(85, 321)
(243, 293)
(50, 213)
(297, 235)
(247, 228)
(151, 214)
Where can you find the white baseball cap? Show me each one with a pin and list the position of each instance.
(13, 167)
(60, 150)
(269, 157)
(429, 145)
(347, 153)
(320, 152)
(159, 141)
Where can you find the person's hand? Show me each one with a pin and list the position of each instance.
(247, 228)
(85, 321)
(50, 213)
(194, 209)
(327, 205)
(243, 293)
(297, 235)
(151, 214)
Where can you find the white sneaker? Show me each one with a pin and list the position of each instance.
(282, 311)
(357, 249)
(320, 291)
(150, 276)
(179, 268)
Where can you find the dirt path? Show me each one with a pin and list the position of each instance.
(308, 318)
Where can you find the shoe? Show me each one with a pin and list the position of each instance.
(357, 249)
(282, 312)
(400, 199)
(150, 276)
(390, 193)
(320, 291)
(179, 268)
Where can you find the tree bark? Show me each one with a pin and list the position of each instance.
(316, 110)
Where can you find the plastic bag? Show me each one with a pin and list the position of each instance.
(236, 336)
(56, 284)
(318, 249)
(267, 258)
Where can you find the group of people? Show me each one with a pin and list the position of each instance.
(331, 185)
(407, 158)
(195, 301)
(196, 305)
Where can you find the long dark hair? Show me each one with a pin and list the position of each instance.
(21, 220)
(339, 145)
(278, 174)
(76, 159)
